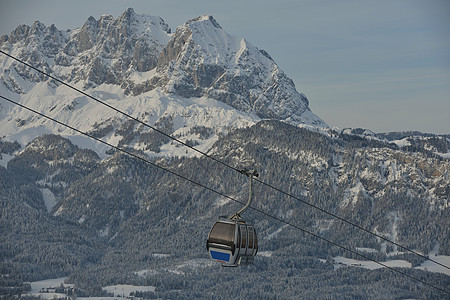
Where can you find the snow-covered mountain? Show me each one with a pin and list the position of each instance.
(102, 217)
(198, 79)
(107, 51)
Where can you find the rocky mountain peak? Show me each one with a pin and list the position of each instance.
(19, 33)
(121, 33)
(138, 55)
(46, 39)
(128, 14)
(37, 28)
(87, 35)
(204, 18)
(202, 60)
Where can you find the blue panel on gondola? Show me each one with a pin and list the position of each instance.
(225, 257)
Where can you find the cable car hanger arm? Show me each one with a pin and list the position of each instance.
(250, 174)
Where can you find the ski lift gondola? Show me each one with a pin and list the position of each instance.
(232, 240)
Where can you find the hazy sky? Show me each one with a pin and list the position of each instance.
(382, 65)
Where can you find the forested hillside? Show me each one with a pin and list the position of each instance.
(65, 212)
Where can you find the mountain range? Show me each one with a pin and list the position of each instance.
(75, 208)
(197, 76)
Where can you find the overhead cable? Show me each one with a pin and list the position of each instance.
(225, 164)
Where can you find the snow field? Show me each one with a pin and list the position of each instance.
(125, 290)
(425, 266)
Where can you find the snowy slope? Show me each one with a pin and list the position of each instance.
(68, 107)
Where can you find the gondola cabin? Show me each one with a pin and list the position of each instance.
(232, 242)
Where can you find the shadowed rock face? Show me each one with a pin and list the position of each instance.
(120, 46)
(103, 51)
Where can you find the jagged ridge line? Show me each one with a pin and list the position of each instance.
(223, 163)
(226, 196)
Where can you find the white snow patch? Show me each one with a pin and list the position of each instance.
(367, 250)
(395, 216)
(104, 232)
(23, 136)
(49, 199)
(430, 266)
(435, 250)
(147, 272)
(160, 255)
(402, 143)
(383, 246)
(112, 169)
(191, 265)
(275, 233)
(221, 202)
(140, 77)
(351, 194)
(45, 289)
(59, 211)
(427, 265)
(196, 263)
(444, 155)
(84, 142)
(265, 253)
(36, 286)
(113, 237)
(4, 159)
(371, 265)
(125, 290)
(82, 219)
(48, 295)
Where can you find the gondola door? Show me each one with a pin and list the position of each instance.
(252, 241)
(243, 239)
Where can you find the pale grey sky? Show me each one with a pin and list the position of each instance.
(382, 65)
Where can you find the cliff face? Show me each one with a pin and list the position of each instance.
(138, 53)
(202, 60)
(105, 51)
